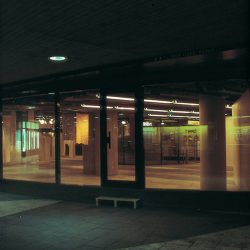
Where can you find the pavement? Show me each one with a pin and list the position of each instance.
(34, 223)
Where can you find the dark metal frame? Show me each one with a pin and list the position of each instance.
(139, 150)
(103, 139)
(139, 139)
(57, 139)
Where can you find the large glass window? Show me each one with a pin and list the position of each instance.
(28, 138)
(80, 138)
(171, 132)
(191, 140)
(197, 141)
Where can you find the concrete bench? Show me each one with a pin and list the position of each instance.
(116, 199)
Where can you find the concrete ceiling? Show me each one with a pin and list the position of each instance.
(95, 33)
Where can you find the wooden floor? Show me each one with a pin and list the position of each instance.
(174, 176)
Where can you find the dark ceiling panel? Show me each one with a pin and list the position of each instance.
(93, 33)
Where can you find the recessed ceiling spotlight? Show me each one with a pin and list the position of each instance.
(58, 58)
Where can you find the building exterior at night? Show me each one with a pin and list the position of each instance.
(169, 125)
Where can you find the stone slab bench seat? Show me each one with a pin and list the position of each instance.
(116, 199)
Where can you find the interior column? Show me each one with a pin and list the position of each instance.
(213, 143)
(112, 128)
(91, 154)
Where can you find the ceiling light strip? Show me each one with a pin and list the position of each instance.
(172, 111)
(174, 116)
(120, 98)
(158, 101)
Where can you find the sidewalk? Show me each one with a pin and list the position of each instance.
(34, 223)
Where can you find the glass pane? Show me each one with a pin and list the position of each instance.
(121, 134)
(28, 139)
(80, 138)
(171, 131)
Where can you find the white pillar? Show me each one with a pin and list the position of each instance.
(213, 143)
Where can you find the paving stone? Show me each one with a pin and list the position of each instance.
(17, 206)
(47, 224)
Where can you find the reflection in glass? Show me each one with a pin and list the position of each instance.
(28, 139)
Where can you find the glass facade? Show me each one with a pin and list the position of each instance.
(190, 141)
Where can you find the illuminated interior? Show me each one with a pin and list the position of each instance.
(180, 132)
(28, 139)
(80, 139)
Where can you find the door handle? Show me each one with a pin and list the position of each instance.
(109, 140)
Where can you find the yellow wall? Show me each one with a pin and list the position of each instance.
(82, 129)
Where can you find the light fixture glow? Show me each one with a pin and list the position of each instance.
(94, 106)
(120, 98)
(31, 107)
(41, 121)
(156, 110)
(229, 106)
(57, 58)
(152, 101)
(172, 111)
(157, 101)
(90, 106)
(124, 108)
(148, 124)
(183, 116)
(184, 112)
(186, 103)
(174, 102)
(158, 115)
(174, 116)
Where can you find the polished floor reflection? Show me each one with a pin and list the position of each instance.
(174, 176)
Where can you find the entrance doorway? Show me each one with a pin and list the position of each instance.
(120, 139)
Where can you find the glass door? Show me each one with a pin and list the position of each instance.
(119, 159)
